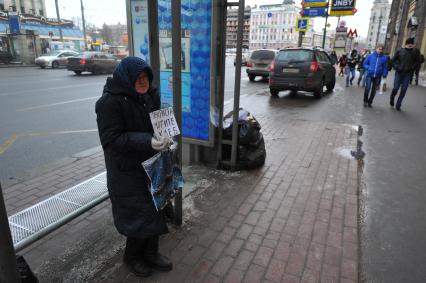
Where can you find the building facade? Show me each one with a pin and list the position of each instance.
(314, 39)
(232, 28)
(407, 20)
(33, 34)
(273, 26)
(379, 19)
(33, 7)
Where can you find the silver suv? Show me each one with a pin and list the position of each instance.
(259, 62)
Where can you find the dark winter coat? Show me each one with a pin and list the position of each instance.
(125, 132)
(352, 60)
(406, 60)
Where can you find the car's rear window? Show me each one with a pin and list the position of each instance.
(89, 54)
(295, 55)
(263, 55)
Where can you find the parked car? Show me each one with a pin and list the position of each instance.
(5, 57)
(303, 69)
(94, 62)
(258, 63)
(55, 59)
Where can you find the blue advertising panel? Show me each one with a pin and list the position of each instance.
(314, 12)
(196, 23)
(196, 53)
(14, 23)
(139, 18)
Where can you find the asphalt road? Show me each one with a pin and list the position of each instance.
(47, 115)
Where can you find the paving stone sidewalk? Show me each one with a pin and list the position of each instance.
(294, 220)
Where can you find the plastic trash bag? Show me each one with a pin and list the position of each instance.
(165, 177)
(251, 145)
(383, 86)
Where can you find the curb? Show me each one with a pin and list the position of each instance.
(16, 66)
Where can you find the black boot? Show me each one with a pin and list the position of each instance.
(153, 258)
(132, 257)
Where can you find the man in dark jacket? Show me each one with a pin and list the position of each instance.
(417, 70)
(375, 66)
(352, 61)
(404, 62)
(126, 135)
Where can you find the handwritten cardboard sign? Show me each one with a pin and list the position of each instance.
(164, 123)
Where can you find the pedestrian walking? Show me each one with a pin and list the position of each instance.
(352, 62)
(362, 75)
(417, 70)
(333, 57)
(342, 64)
(375, 66)
(404, 62)
(126, 135)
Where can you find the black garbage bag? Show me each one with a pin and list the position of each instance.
(251, 145)
(25, 272)
(252, 157)
(248, 127)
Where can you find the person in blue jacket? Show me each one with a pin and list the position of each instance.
(375, 65)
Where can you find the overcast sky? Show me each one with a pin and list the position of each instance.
(114, 11)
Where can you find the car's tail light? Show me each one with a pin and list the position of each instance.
(82, 62)
(313, 67)
(249, 64)
(272, 66)
(66, 62)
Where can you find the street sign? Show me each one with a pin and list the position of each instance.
(302, 24)
(342, 8)
(269, 15)
(314, 12)
(314, 3)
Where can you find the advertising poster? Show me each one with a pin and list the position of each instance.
(14, 23)
(139, 17)
(196, 53)
(342, 8)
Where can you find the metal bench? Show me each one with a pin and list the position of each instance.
(31, 224)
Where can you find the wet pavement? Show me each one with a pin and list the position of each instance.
(393, 188)
(392, 227)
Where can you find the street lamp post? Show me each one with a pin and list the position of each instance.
(84, 24)
(59, 20)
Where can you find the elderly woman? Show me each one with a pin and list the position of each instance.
(126, 135)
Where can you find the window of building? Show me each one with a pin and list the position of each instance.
(22, 9)
(2, 7)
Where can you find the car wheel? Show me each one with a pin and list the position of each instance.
(320, 90)
(55, 65)
(77, 73)
(252, 77)
(274, 92)
(330, 85)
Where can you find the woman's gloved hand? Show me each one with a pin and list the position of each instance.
(161, 143)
